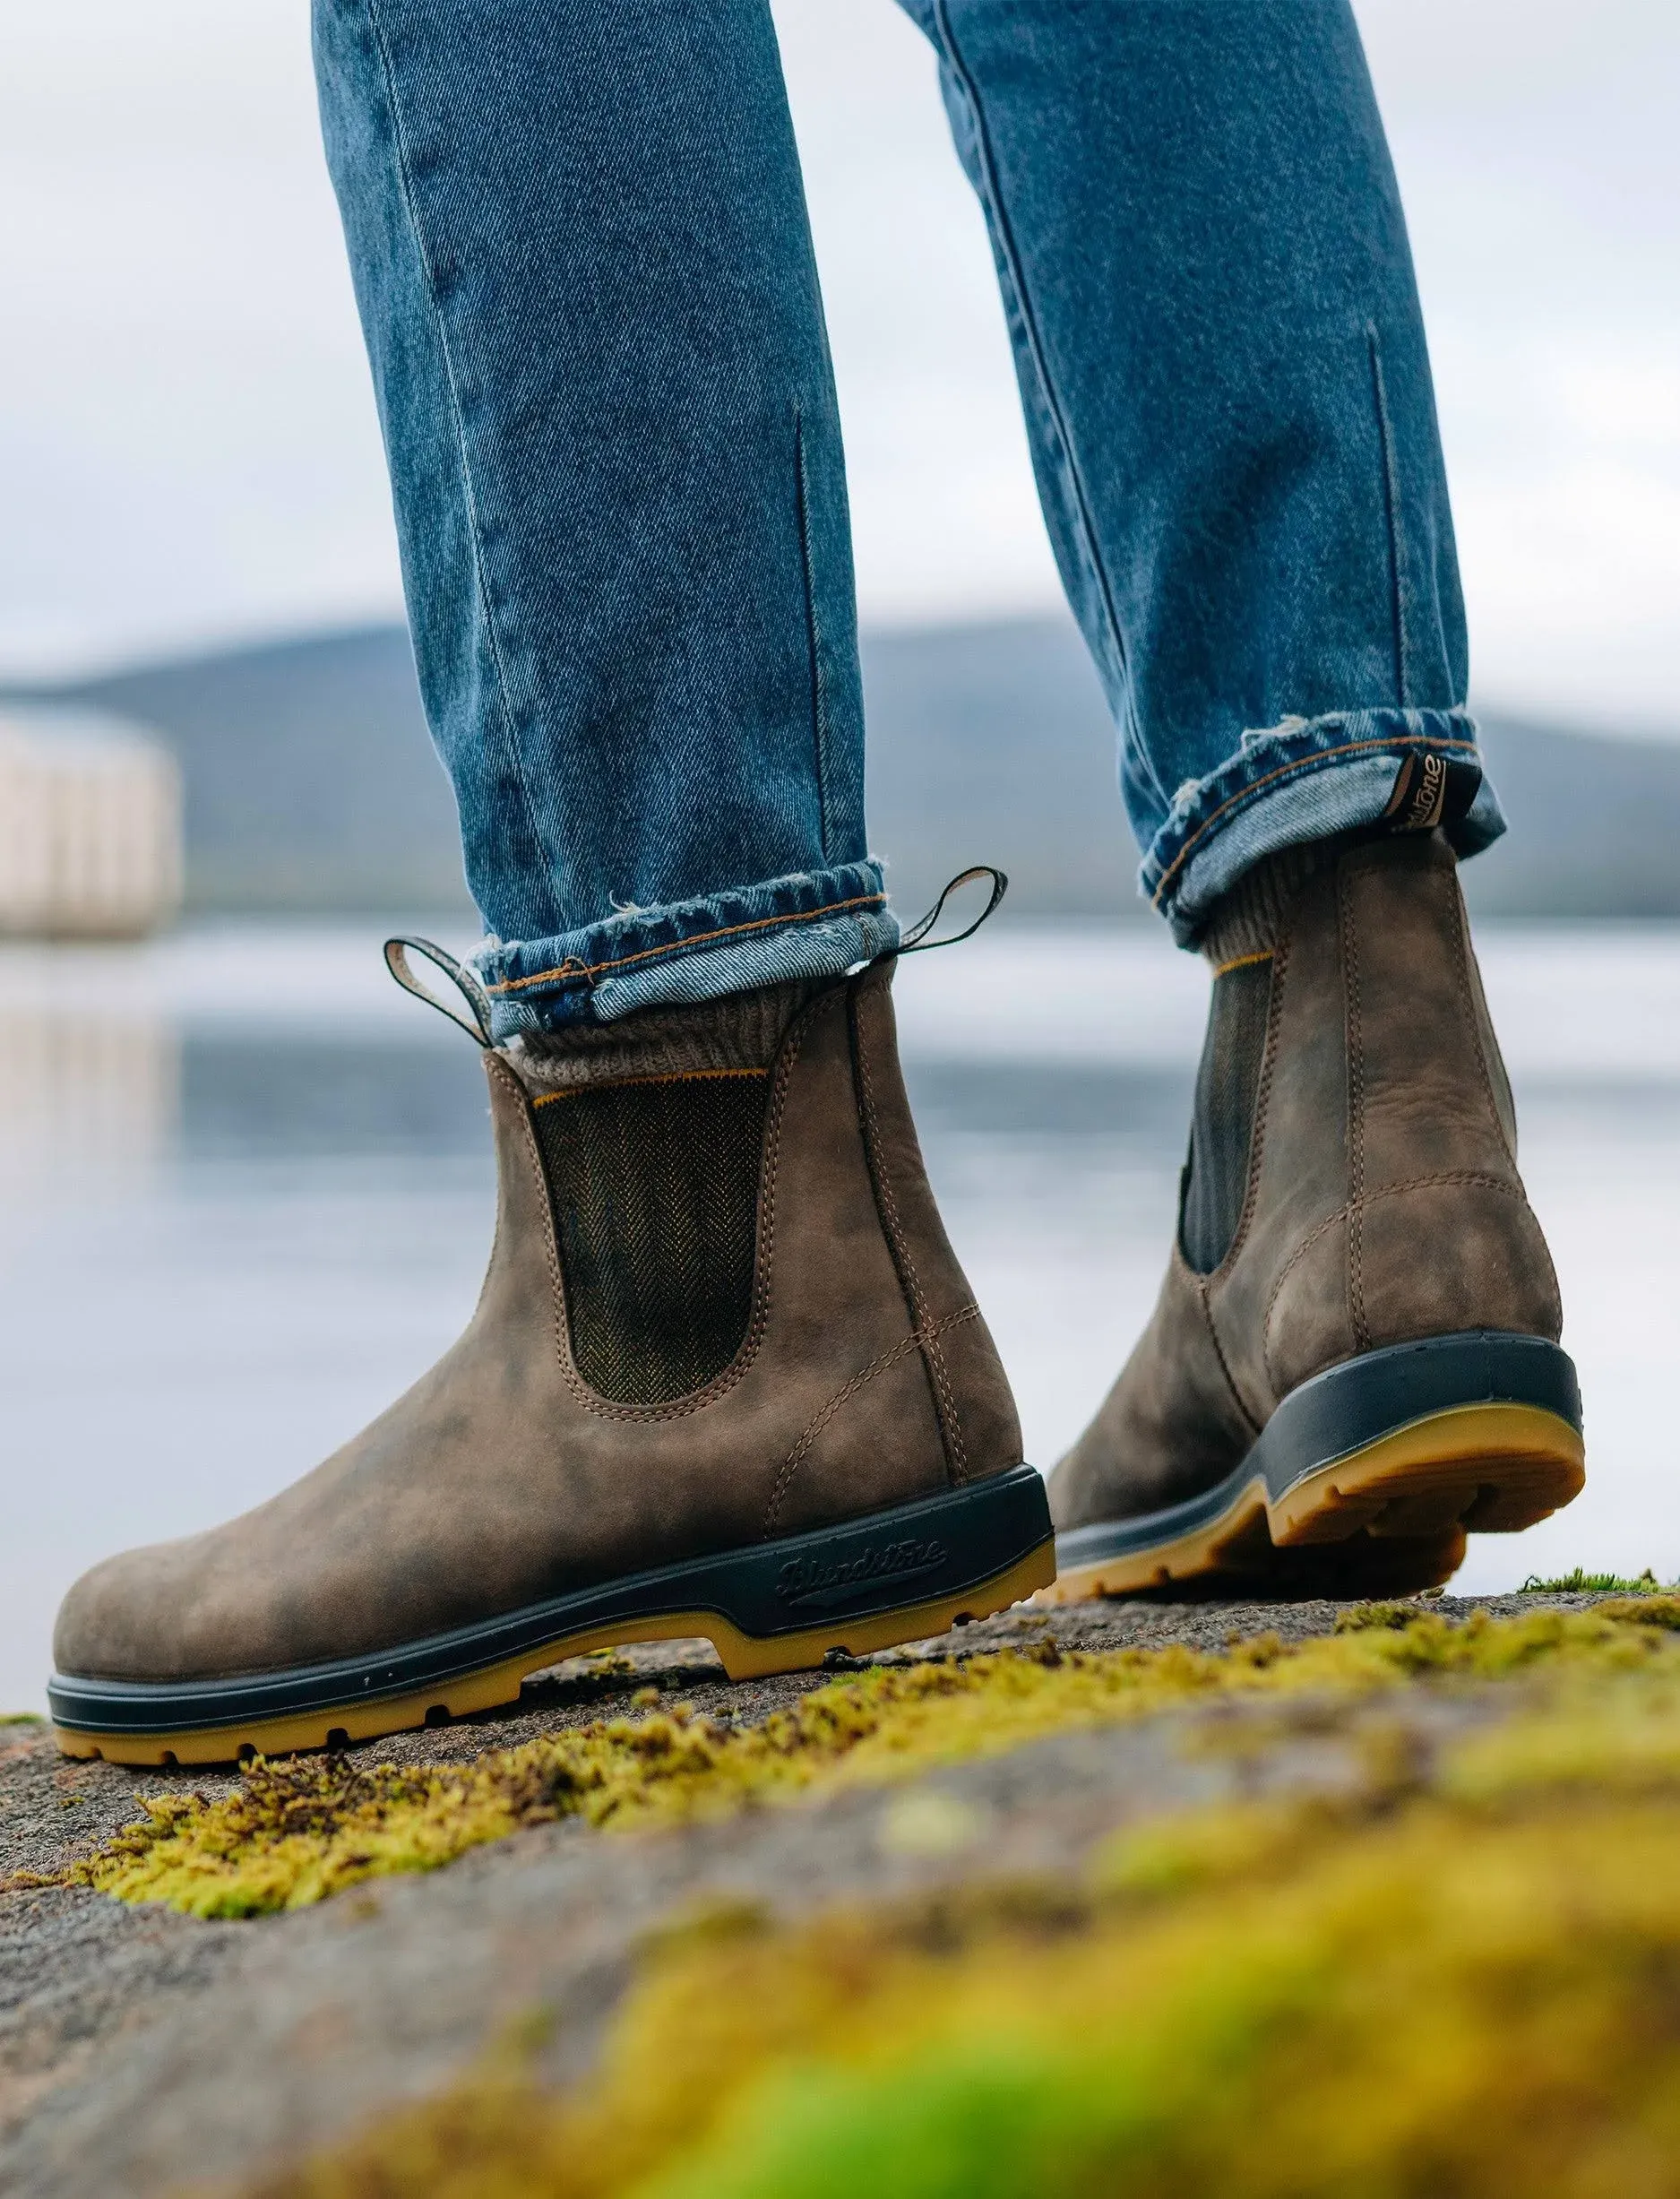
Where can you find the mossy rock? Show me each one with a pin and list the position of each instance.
(1460, 1980)
(298, 1830)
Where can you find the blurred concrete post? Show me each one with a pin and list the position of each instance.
(91, 827)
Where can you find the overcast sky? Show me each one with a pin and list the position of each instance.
(187, 447)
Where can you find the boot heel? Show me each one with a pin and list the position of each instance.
(1479, 1431)
(1363, 1482)
(1492, 1468)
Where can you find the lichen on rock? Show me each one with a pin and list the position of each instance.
(1462, 1979)
(298, 1830)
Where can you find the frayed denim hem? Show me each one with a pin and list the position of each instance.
(816, 924)
(1304, 780)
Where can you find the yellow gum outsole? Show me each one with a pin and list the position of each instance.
(1482, 1468)
(1493, 1470)
(745, 1656)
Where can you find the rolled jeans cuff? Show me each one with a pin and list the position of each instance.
(1304, 780)
(816, 924)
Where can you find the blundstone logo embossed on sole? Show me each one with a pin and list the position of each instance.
(821, 1579)
(1419, 798)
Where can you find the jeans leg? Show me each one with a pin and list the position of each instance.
(1220, 349)
(581, 252)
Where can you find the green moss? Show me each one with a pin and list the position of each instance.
(298, 1830)
(1582, 1584)
(20, 1718)
(1470, 1988)
(1374, 1618)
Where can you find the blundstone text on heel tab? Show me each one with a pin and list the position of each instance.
(1418, 802)
(819, 1580)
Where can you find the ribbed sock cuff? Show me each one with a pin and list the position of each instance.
(738, 1031)
(1247, 922)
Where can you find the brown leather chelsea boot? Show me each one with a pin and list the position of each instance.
(726, 1378)
(1353, 1357)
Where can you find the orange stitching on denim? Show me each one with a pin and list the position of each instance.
(1243, 961)
(622, 1083)
(573, 970)
(1323, 755)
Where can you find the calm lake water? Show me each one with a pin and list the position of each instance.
(245, 1199)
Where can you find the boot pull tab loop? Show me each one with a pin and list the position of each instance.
(463, 978)
(916, 940)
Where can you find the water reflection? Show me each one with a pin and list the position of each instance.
(306, 1097)
(82, 1100)
(244, 1198)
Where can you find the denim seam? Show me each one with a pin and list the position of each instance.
(992, 198)
(441, 332)
(1395, 742)
(1392, 502)
(813, 637)
(572, 973)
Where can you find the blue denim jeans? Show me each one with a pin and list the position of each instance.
(582, 255)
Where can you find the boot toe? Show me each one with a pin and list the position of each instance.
(125, 1618)
(1080, 1493)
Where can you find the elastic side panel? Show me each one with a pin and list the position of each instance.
(1228, 1086)
(655, 1192)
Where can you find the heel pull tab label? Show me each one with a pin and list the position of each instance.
(1431, 790)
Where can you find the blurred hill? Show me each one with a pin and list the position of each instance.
(311, 786)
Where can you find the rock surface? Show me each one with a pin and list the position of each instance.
(141, 2050)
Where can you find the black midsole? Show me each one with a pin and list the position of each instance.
(1343, 1410)
(912, 1555)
